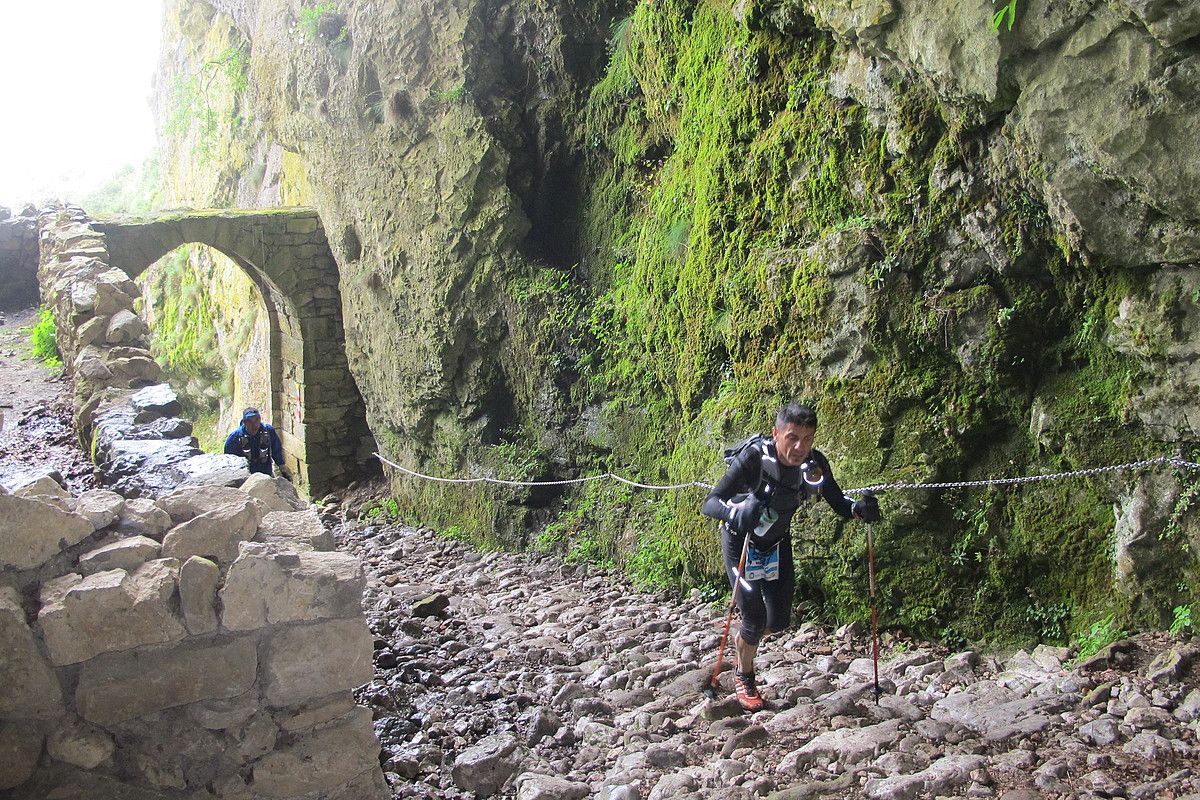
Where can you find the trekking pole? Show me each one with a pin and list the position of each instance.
(874, 608)
(714, 680)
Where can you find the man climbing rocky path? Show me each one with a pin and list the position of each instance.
(518, 675)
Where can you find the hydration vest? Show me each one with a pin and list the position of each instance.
(261, 442)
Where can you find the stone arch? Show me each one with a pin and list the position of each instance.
(315, 403)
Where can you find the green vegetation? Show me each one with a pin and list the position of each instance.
(386, 510)
(310, 21)
(208, 102)
(1007, 12)
(455, 95)
(43, 340)
(1102, 633)
(130, 190)
(1181, 620)
(746, 233)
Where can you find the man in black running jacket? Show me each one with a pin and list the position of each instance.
(758, 496)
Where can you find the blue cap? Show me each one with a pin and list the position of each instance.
(248, 413)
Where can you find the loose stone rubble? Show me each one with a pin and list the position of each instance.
(502, 675)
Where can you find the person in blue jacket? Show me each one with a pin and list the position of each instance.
(258, 443)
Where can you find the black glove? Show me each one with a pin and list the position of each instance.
(866, 508)
(743, 516)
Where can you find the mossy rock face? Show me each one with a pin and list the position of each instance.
(585, 236)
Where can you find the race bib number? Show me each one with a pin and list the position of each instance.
(762, 566)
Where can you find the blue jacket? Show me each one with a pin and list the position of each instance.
(259, 450)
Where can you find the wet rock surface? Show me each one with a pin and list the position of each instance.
(516, 675)
(35, 411)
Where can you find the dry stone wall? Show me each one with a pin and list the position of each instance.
(182, 638)
(126, 416)
(201, 645)
(18, 258)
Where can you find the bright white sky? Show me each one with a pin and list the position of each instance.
(75, 83)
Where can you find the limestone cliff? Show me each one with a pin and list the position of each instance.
(585, 235)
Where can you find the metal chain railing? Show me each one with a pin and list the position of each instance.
(1077, 473)
(1174, 461)
(566, 482)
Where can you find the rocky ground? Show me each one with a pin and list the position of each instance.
(35, 410)
(518, 675)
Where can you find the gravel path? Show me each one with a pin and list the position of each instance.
(35, 411)
(514, 675)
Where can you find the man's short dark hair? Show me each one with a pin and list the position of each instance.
(796, 414)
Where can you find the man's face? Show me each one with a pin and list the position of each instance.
(252, 424)
(793, 443)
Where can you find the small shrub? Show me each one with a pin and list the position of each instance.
(450, 96)
(43, 337)
(1048, 621)
(1182, 620)
(381, 511)
(458, 534)
(1102, 632)
(310, 21)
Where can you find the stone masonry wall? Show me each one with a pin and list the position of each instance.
(201, 644)
(18, 258)
(126, 417)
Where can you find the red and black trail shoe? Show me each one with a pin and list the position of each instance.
(747, 691)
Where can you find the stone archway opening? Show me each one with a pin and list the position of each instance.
(211, 332)
(314, 402)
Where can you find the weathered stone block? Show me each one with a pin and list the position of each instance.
(135, 372)
(29, 687)
(486, 766)
(267, 586)
(158, 400)
(109, 611)
(41, 486)
(91, 332)
(192, 501)
(321, 761)
(311, 661)
(198, 578)
(89, 368)
(143, 517)
(32, 531)
(276, 494)
(80, 744)
(127, 554)
(214, 534)
(100, 506)
(20, 747)
(118, 687)
(303, 225)
(213, 469)
(317, 713)
(125, 326)
(298, 528)
(533, 786)
(216, 715)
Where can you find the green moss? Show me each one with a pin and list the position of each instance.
(720, 174)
